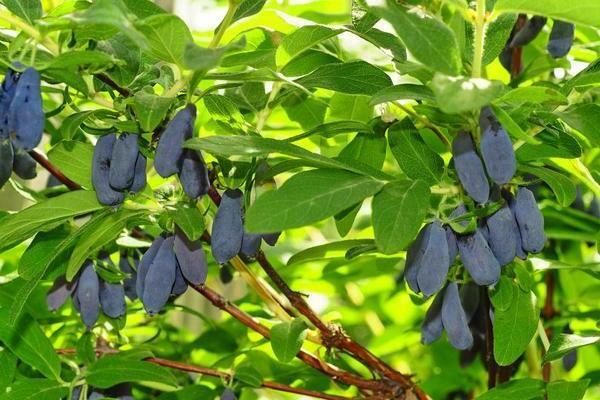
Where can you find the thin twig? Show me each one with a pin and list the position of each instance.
(44, 162)
(332, 335)
(218, 374)
(109, 82)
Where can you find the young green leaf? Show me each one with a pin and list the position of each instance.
(356, 77)
(585, 12)
(585, 118)
(167, 36)
(415, 158)
(522, 389)
(45, 216)
(428, 39)
(514, 327)
(287, 338)
(308, 197)
(563, 390)
(398, 212)
(565, 343)
(74, 159)
(562, 186)
(111, 370)
(36, 388)
(29, 343)
(459, 94)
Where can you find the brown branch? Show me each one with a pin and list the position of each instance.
(218, 374)
(332, 335)
(109, 82)
(333, 372)
(44, 162)
(516, 64)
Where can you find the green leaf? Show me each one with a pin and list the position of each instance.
(74, 159)
(415, 158)
(585, 12)
(514, 327)
(327, 250)
(406, 91)
(367, 148)
(249, 375)
(562, 186)
(349, 107)
(29, 10)
(287, 338)
(384, 40)
(345, 219)
(534, 94)
(502, 294)
(203, 59)
(36, 389)
(522, 389)
(190, 220)
(308, 197)
(248, 8)
(223, 109)
(496, 36)
(554, 143)
(109, 226)
(356, 77)
(253, 146)
(301, 40)
(8, 368)
(456, 95)
(167, 36)
(105, 19)
(111, 370)
(331, 129)
(40, 251)
(80, 58)
(585, 118)
(150, 109)
(27, 341)
(398, 212)
(512, 127)
(563, 390)
(428, 39)
(143, 8)
(563, 343)
(45, 216)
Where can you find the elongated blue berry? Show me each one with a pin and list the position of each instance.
(101, 169)
(23, 165)
(502, 229)
(194, 175)
(123, 159)
(26, 115)
(561, 38)
(145, 263)
(529, 32)
(88, 294)
(496, 149)
(530, 221)
(434, 261)
(469, 168)
(139, 177)
(228, 229)
(112, 299)
(169, 151)
(454, 319)
(478, 259)
(191, 259)
(160, 278)
(432, 327)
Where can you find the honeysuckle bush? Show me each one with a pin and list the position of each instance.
(422, 177)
